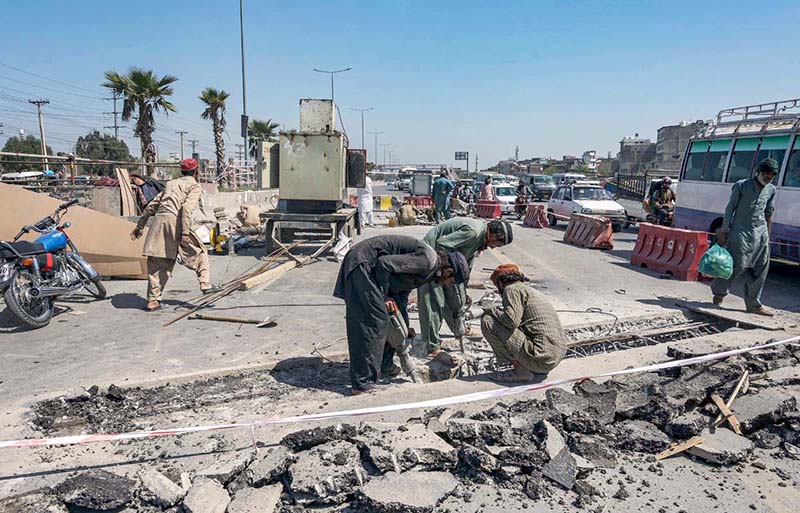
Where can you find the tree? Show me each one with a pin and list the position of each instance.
(215, 111)
(144, 95)
(97, 146)
(260, 131)
(29, 144)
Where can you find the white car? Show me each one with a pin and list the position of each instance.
(507, 195)
(585, 198)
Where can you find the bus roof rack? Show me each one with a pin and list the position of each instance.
(760, 111)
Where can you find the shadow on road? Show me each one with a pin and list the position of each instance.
(131, 301)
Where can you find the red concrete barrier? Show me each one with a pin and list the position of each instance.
(488, 209)
(670, 250)
(535, 217)
(589, 232)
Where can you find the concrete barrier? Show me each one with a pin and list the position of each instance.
(589, 232)
(670, 250)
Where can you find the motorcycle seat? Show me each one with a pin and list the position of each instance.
(23, 247)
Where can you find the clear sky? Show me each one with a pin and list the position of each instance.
(553, 77)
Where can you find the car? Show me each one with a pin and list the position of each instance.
(585, 198)
(507, 195)
(404, 183)
(562, 178)
(541, 186)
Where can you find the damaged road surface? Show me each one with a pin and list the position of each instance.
(592, 448)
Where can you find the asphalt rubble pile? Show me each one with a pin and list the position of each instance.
(570, 450)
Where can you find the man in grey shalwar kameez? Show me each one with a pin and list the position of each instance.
(375, 279)
(745, 234)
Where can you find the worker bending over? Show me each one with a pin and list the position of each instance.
(525, 333)
(170, 236)
(469, 237)
(407, 214)
(375, 280)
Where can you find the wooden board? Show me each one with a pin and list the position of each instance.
(128, 200)
(680, 447)
(727, 413)
(268, 275)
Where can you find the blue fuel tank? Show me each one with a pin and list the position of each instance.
(53, 241)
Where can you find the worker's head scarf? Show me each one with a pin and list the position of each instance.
(460, 267)
(503, 270)
(768, 165)
(188, 165)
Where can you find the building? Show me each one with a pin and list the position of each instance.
(635, 155)
(672, 141)
(607, 166)
(589, 159)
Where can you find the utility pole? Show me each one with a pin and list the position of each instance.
(39, 104)
(476, 164)
(193, 142)
(332, 73)
(244, 121)
(240, 151)
(362, 111)
(384, 151)
(375, 157)
(181, 133)
(115, 112)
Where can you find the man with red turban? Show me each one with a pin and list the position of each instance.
(171, 237)
(525, 333)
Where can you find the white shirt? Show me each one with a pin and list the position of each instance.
(365, 196)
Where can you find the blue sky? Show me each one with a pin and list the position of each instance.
(553, 77)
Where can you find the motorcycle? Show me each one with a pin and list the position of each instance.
(33, 274)
(521, 205)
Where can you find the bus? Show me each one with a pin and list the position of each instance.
(729, 150)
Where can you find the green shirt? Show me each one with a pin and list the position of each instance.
(462, 234)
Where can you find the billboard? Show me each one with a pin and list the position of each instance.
(462, 155)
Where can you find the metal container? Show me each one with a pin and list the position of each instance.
(312, 171)
(317, 115)
(421, 184)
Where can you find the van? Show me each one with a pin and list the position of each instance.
(541, 186)
(560, 178)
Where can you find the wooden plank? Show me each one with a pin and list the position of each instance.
(727, 413)
(744, 379)
(680, 447)
(128, 201)
(736, 316)
(269, 274)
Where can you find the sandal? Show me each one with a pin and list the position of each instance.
(510, 376)
(153, 306)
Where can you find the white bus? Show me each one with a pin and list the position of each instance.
(730, 150)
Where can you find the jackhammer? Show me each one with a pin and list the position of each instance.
(398, 338)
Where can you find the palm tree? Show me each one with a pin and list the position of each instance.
(260, 131)
(215, 111)
(144, 94)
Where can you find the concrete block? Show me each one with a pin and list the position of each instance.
(206, 496)
(158, 489)
(723, 447)
(640, 436)
(412, 492)
(256, 500)
(269, 466)
(98, 490)
(227, 466)
(395, 447)
(35, 502)
(308, 438)
(769, 405)
(327, 473)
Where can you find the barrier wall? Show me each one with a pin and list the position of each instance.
(488, 209)
(589, 232)
(670, 250)
(535, 217)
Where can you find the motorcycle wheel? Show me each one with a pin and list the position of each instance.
(94, 286)
(29, 311)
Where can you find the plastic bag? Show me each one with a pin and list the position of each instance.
(716, 263)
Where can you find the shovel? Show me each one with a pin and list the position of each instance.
(267, 322)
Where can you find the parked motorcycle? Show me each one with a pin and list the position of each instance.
(33, 274)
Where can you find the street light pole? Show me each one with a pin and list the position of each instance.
(362, 111)
(181, 133)
(332, 73)
(376, 134)
(384, 151)
(244, 88)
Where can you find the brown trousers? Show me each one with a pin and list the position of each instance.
(159, 271)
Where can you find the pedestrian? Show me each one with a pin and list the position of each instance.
(170, 236)
(365, 203)
(375, 280)
(487, 190)
(525, 333)
(745, 233)
(442, 187)
(469, 237)
(663, 201)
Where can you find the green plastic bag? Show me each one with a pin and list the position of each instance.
(716, 263)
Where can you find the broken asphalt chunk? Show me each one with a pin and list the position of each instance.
(308, 438)
(391, 448)
(227, 466)
(98, 490)
(35, 502)
(256, 500)
(206, 496)
(327, 473)
(769, 405)
(722, 446)
(157, 489)
(269, 466)
(640, 436)
(562, 469)
(409, 492)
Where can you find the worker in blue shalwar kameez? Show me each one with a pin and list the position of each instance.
(745, 234)
(442, 187)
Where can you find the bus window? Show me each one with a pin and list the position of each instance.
(714, 166)
(792, 178)
(744, 153)
(694, 164)
(773, 147)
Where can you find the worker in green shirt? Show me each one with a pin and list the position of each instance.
(442, 187)
(468, 236)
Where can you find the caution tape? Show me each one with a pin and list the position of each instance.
(432, 403)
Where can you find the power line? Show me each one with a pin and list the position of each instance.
(45, 78)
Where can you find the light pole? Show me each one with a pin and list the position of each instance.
(362, 111)
(181, 133)
(384, 151)
(244, 121)
(375, 158)
(332, 73)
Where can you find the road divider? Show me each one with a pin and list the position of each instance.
(590, 232)
(535, 217)
(670, 250)
(488, 209)
(431, 403)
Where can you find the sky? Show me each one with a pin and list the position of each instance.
(552, 77)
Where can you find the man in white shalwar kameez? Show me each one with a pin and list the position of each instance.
(365, 203)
